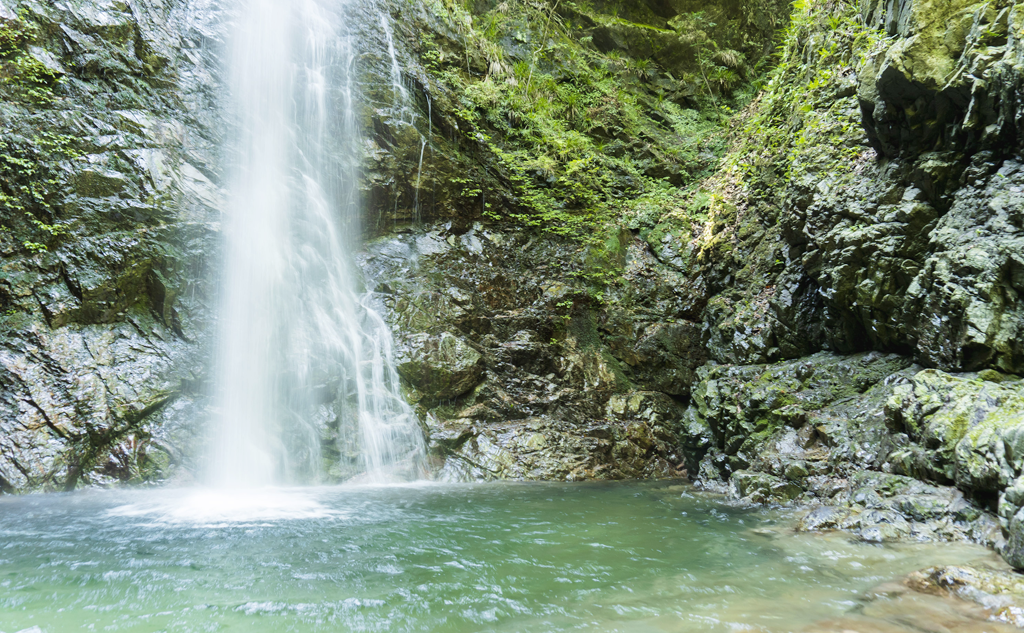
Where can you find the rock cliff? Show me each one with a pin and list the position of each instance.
(109, 210)
(825, 308)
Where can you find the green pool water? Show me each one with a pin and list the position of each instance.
(462, 558)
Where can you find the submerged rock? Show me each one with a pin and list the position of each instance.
(998, 591)
(969, 598)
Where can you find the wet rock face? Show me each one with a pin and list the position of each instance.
(965, 304)
(881, 507)
(103, 276)
(519, 371)
(793, 419)
(898, 267)
(854, 437)
(967, 430)
(950, 80)
(968, 424)
(908, 242)
(445, 366)
(548, 449)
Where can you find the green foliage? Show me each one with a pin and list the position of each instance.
(15, 35)
(717, 66)
(30, 80)
(576, 133)
(33, 160)
(584, 142)
(798, 109)
(30, 177)
(804, 121)
(22, 76)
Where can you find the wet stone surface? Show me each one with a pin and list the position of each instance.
(518, 371)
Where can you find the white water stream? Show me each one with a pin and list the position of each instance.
(302, 355)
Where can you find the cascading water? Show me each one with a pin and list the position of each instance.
(401, 94)
(302, 355)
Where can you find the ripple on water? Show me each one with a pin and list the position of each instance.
(538, 558)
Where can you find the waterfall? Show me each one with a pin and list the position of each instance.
(302, 355)
(401, 95)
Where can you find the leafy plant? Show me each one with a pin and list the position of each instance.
(33, 160)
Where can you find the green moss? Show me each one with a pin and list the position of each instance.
(1009, 414)
(584, 139)
(796, 126)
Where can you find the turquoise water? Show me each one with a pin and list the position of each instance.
(462, 558)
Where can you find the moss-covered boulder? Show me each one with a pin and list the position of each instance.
(883, 507)
(832, 431)
(775, 414)
(967, 429)
(763, 488)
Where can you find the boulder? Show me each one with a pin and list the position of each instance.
(770, 415)
(440, 367)
(970, 431)
(763, 488)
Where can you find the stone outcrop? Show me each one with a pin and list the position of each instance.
(108, 114)
(519, 371)
(895, 226)
(828, 431)
(968, 431)
(948, 83)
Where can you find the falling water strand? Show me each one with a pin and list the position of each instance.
(401, 99)
(419, 176)
(302, 355)
(430, 138)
